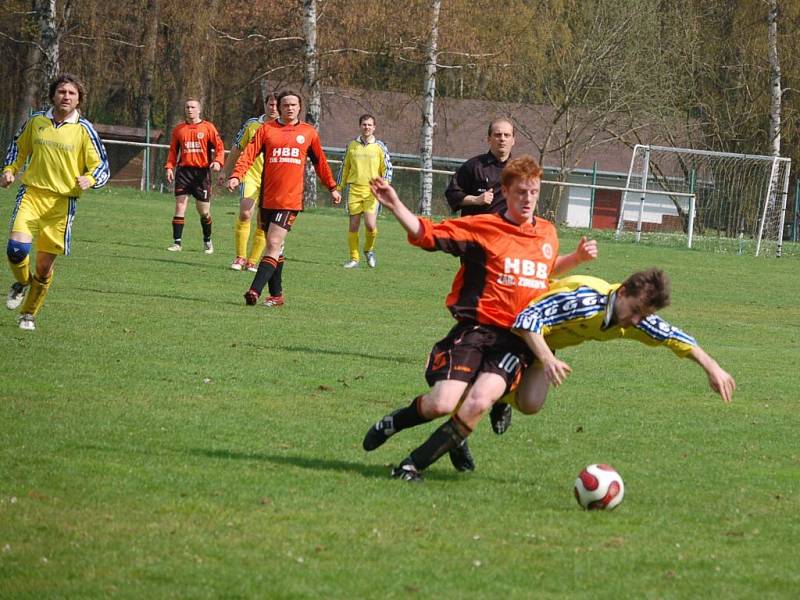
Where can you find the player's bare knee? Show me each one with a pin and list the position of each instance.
(435, 405)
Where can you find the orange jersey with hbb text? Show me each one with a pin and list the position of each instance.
(285, 149)
(504, 265)
(192, 145)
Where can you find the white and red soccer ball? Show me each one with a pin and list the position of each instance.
(599, 487)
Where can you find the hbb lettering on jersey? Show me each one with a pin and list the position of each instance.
(191, 146)
(285, 154)
(524, 273)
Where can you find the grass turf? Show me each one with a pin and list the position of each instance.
(160, 439)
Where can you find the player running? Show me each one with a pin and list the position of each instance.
(66, 157)
(285, 144)
(197, 149)
(507, 260)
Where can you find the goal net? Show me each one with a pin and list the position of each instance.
(740, 201)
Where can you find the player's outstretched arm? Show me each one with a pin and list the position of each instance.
(586, 251)
(388, 197)
(719, 380)
(555, 371)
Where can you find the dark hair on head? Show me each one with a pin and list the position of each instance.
(285, 93)
(499, 120)
(524, 167)
(66, 78)
(651, 286)
(364, 117)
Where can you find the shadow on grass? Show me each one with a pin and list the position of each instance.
(309, 350)
(143, 295)
(313, 463)
(175, 261)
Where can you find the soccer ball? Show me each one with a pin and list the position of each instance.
(599, 487)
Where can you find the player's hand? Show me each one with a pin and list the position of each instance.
(215, 166)
(486, 197)
(7, 179)
(556, 371)
(722, 383)
(586, 250)
(233, 183)
(384, 192)
(170, 175)
(337, 196)
(83, 182)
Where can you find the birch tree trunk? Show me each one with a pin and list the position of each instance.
(150, 42)
(48, 44)
(426, 132)
(775, 79)
(311, 83)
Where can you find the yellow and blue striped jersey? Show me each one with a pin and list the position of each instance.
(59, 153)
(364, 161)
(581, 308)
(246, 133)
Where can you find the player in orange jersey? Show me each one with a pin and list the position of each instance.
(285, 144)
(507, 260)
(197, 149)
(249, 194)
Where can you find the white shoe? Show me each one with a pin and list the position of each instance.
(238, 263)
(175, 248)
(208, 247)
(371, 260)
(350, 264)
(27, 322)
(16, 295)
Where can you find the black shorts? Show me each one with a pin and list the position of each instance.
(471, 348)
(281, 218)
(193, 181)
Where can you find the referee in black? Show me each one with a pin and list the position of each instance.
(475, 187)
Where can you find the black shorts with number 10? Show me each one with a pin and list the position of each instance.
(471, 348)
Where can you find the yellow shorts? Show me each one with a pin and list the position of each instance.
(250, 189)
(45, 216)
(360, 200)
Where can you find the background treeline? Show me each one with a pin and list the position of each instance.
(686, 69)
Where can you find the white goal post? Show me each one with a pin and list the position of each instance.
(740, 198)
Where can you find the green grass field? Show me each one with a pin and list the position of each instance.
(159, 439)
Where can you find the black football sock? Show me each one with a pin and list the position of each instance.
(265, 270)
(444, 439)
(409, 416)
(177, 229)
(276, 281)
(205, 223)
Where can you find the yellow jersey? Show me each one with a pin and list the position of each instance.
(59, 153)
(364, 161)
(246, 133)
(581, 308)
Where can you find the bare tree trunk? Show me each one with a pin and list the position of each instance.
(149, 41)
(31, 98)
(775, 80)
(428, 124)
(311, 83)
(49, 38)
